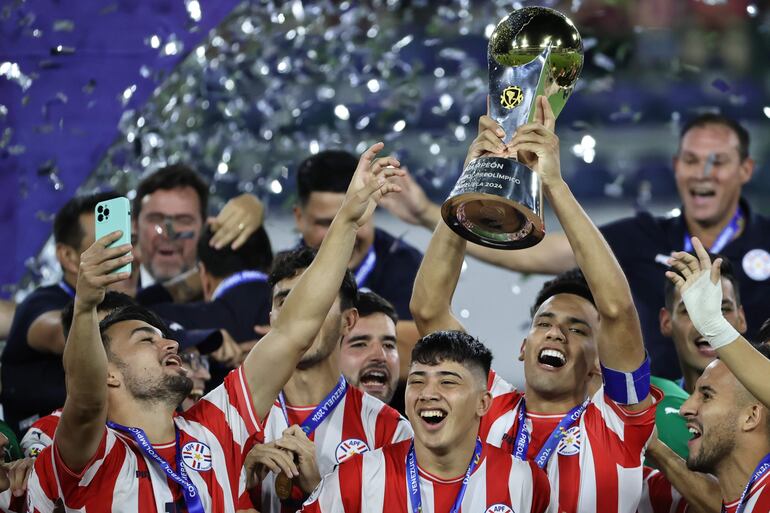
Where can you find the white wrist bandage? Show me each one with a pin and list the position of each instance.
(703, 300)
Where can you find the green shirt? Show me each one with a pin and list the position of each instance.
(12, 449)
(672, 427)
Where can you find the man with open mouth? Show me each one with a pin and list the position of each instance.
(446, 467)
(591, 447)
(119, 445)
(369, 353)
(730, 431)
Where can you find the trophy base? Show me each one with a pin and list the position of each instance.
(500, 209)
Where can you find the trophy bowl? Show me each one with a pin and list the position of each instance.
(497, 201)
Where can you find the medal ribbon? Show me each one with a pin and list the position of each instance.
(761, 470)
(412, 474)
(66, 288)
(192, 498)
(321, 411)
(247, 276)
(366, 267)
(521, 445)
(725, 236)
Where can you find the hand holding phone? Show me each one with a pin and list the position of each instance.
(110, 216)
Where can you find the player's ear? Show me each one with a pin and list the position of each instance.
(485, 402)
(664, 318)
(349, 320)
(521, 350)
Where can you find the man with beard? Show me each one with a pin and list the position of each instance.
(730, 438)
(341, 420)
(446, 467)
(369, 354)
(590, 445)
(119, 446)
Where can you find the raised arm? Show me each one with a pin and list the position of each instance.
(84, 415)
(273, 359)
(436, 280)
(435, 284)
(620, 342)
(700, 286)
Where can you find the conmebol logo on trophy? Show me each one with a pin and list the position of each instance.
(498, 202)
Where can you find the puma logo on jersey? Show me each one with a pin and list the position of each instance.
(669, 410)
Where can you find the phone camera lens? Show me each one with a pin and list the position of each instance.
(99, 209)
(100, 218)
(106, 212)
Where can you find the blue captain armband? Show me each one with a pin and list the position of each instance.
(627, 388)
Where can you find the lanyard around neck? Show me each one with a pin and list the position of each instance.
(726, 235)
(521, 444)
(192, 498)
(321, 411)
(761, 470)
(413, 477)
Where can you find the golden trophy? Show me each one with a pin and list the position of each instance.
(498, 202)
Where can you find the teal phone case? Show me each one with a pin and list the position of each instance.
(112, 215)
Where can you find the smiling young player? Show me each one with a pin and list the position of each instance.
(591, 447)
(119, 445)
(446, 468)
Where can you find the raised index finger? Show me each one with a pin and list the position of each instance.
(700, 251)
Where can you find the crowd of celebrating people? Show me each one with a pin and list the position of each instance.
(334, 377)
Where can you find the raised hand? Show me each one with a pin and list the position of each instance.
(411, 205)
(699, 283)
(96, 264)
(240, 217)
(537, 146)
(372, 180)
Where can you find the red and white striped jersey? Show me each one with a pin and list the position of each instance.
(377, 482)
(598, 464)
(659, 495)
(358, 424)
(40, 434)
(42, 488)
(120, 478)
(11, 504)
(757, 500)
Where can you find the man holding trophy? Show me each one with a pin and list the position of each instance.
(590, 445)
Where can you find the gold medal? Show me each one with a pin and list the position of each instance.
(283, 486)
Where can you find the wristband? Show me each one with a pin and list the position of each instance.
(721, 333)
(627, 388)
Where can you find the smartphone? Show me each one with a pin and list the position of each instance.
(112, 215)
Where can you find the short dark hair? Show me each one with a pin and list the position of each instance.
(370, 303)
(453, 346)
(726, 270)
(256, 253)
(327, 171)
(712, 118)
(171, 177)
(66, 225)
(288, 264)
(112, 301)
(568, 282)
(131, 313)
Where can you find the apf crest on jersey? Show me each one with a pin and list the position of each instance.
(569, 445)
(499, 508)
(197, 456)
(350, 447)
